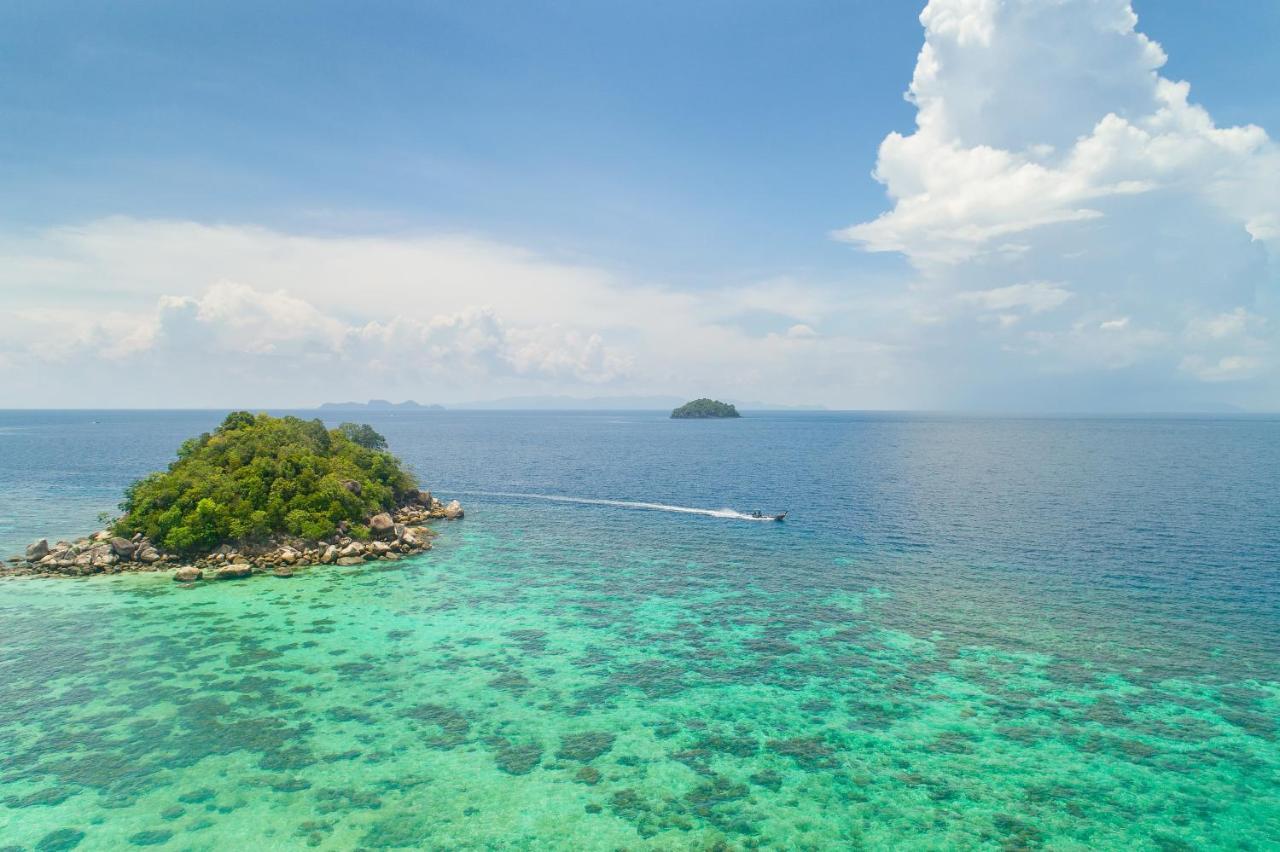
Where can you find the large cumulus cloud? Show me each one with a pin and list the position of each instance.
(1049, 148)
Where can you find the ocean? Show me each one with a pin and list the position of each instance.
(970, 632)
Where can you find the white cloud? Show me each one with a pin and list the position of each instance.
(999, 86)
(235, 321)
(1093, 346)
(1232, 324)
(251, 321)
(1228, 368)
(1048, 148)
(1034, 296)
(967, 21)
(244, 315)
(479, 343)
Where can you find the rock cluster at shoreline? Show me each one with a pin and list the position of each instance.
(393, 536)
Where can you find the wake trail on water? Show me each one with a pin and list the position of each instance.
(729, 514)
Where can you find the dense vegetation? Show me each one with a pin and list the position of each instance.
(256, 475)
(705, 408)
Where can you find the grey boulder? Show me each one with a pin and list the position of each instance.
(234, 572)
(382, 525)
(123, 547)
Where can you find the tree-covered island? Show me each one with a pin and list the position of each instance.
(701, 409)
(258, 493)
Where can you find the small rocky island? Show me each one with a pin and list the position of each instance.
(258, 494)
(702, 409)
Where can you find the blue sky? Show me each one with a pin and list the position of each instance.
(663, 136)
(692, 148)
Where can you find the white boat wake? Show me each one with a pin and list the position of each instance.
(730, 514)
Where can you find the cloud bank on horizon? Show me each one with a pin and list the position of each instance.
(295, 320)
(1079, 235)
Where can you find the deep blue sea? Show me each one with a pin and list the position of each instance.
(970, 632)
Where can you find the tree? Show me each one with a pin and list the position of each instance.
(237, 420)
(705, 408)
(257, 475)
(364, 435)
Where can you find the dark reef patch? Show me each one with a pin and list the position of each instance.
(586, 746)
(518, 759)
(60, 840)
(810, 752)
(153, 837)
(451, 727)
(334, 800)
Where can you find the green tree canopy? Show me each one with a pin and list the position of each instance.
(701, 408)
(256, 475)
(363, 434)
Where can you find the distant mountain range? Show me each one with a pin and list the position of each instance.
(379, 405)
(556, 403)
(610, 403)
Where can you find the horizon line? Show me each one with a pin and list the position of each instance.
(466, 409)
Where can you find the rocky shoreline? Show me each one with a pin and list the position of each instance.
(393, 536)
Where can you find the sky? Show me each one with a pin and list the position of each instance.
(1017, 205)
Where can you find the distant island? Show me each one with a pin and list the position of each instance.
(701, 409)
(258, 493)
(379, 405)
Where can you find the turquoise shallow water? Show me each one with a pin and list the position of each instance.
(945, 648)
